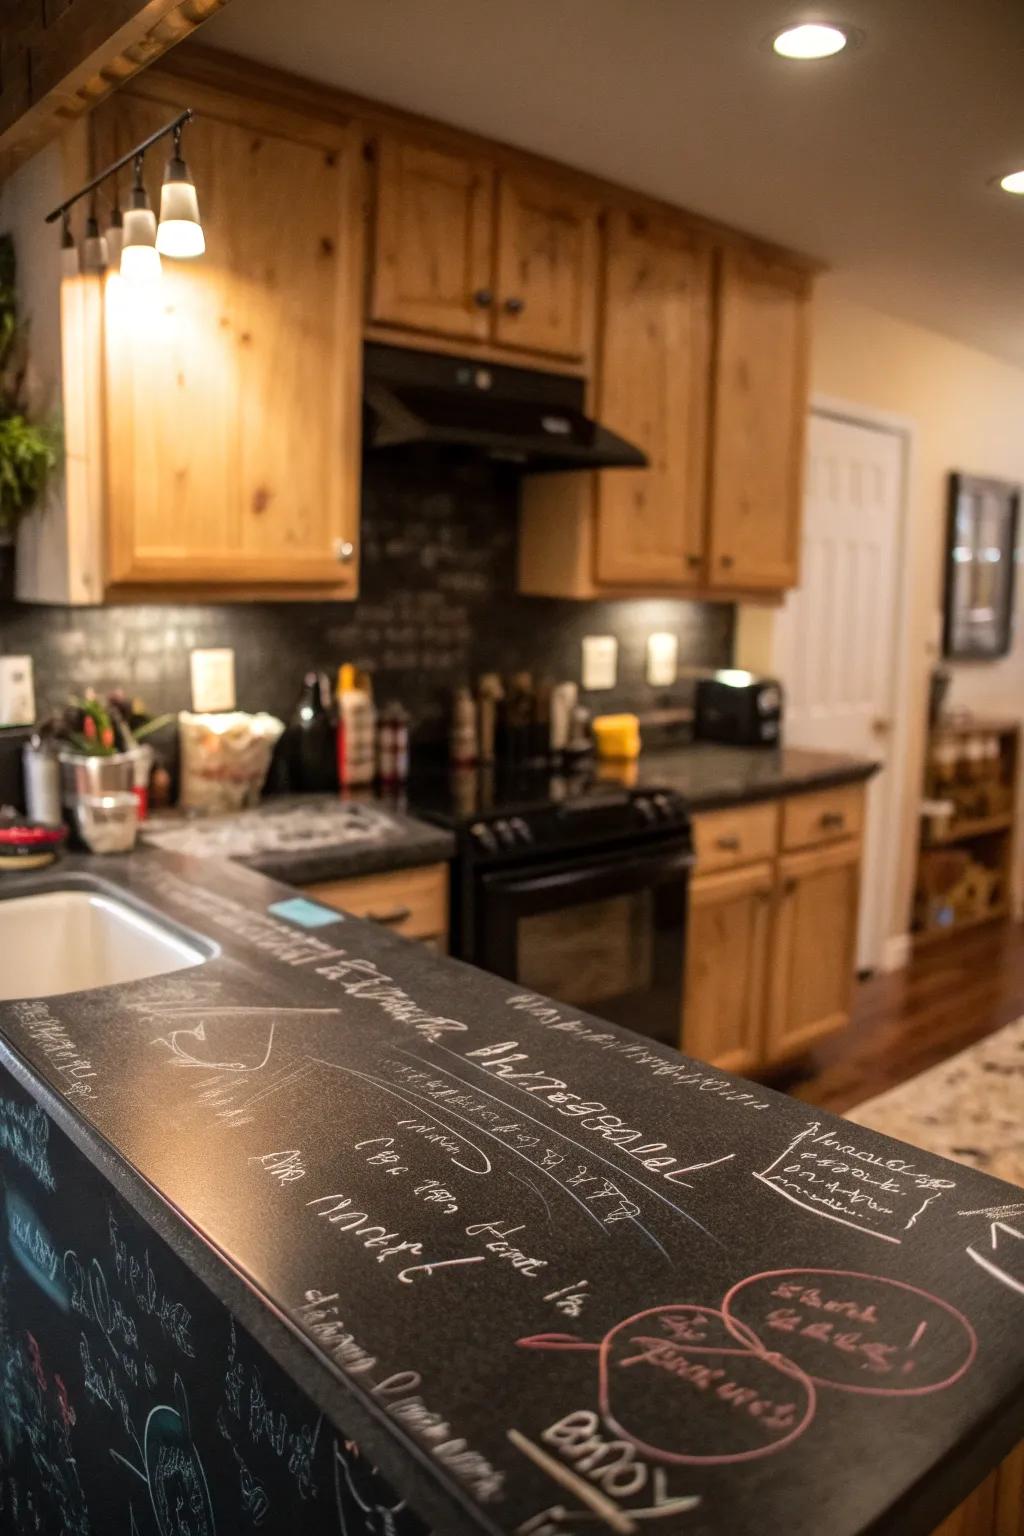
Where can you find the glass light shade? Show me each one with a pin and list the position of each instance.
(1014, 182)
(115, 239)
(811, 40)
(180, 233)
(95, 255)
(69, 263)
(140, 264)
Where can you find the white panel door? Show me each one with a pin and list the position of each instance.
(837, 642)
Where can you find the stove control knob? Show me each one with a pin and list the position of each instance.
(521, 829)
(644, 809)
(506, 837)
(484, 838)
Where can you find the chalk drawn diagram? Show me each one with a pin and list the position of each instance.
(1008, 1243)
(703, 1386)
(366, 1504)
(225, 1039)
(173, 1471)
(881, 1197)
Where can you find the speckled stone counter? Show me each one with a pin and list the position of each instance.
(710, 776)
(305, 838)
(970, 1108)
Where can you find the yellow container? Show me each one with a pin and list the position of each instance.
(617, 737)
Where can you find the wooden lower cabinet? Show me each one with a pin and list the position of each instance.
(411, 902)
(771, 935)
(995, 1507)
(727, 950)
(811, 967)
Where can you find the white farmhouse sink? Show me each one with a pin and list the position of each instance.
(72, 940)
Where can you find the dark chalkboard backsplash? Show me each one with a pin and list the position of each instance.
(438, 606)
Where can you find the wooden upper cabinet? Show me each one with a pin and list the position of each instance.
(233, 388)
(760, 407)
(545, 267)
(653, 391)
(433, 224)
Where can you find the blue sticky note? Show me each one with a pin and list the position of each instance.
(308, 914)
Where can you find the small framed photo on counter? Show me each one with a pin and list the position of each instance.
(981, 548)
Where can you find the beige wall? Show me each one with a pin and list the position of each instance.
(966, 409)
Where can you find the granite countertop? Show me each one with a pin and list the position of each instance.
(485, 1233)
(710, 777)
(303, 839)
(970, 1108)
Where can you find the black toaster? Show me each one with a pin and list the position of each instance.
(739, 709)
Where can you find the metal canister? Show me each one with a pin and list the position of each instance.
(42, 784)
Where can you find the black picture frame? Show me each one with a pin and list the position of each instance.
(982, 517)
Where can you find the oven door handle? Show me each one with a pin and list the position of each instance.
(590, 881)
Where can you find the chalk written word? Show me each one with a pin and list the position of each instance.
(151, 1300)
(826, 1174)
(25, 1134)
(667, 1065)
(1008, 1243)
(286, 1167)
(506, 1251)
(681, 1387)
(247, 1401)
(319, 1315)
(613, 1466)
(60, 1050)
(854, 1332)
(570, 1299)
(504, 1061)
(384, 1156)
(358, 978)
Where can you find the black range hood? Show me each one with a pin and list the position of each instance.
(531, 419)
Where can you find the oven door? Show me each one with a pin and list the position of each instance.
(603, 933)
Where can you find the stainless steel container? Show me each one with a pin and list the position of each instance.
(107, 823)
(82, 775)
(42, 786)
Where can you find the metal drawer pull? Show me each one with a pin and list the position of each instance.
(728, 844)
(833, 819)
(389, 919)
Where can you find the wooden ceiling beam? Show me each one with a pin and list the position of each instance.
(59, 57)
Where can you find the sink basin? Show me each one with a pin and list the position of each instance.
(58, 941)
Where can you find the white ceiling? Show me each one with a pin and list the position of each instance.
(877, 161)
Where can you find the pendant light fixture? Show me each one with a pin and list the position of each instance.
(115, 237)
(140, 259)
(180, 233)
(69, 264)
(94, 247)
(133, 243)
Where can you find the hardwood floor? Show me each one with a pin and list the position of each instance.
(903, 1023)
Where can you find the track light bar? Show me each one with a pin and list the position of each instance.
(173, 127)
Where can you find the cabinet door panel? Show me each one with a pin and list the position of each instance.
(813, 945)
(546, 267)
(759, 417)
(232, 388)
(726, 948)
(653, 390)
(433, 221)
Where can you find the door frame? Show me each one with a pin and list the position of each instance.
(900, 803)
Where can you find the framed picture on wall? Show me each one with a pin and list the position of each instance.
(981, 554)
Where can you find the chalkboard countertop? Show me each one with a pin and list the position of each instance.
(553, 1278)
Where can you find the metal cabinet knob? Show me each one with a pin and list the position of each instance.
(830, 819)
(483, 298)
(693, 561)
(344, 550)
(515, 306)
(726, 561)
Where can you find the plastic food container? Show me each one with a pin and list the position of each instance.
(617, 736)
(225, 759)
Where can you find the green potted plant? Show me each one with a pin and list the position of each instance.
(28, 449)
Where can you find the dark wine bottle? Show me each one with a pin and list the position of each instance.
(313, 731)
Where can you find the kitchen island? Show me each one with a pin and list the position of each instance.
(322, 1190)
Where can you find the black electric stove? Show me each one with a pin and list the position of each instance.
(573, 885)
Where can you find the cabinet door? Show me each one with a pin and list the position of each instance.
(760, 410)
(233, 386)
(546, 267)
(653, 388)
(726, 949)
(811, 970)
(433, 247)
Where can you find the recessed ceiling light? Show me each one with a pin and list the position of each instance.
(810, 40)
(1014, 182)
